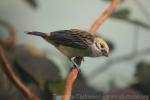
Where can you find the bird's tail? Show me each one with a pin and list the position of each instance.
(38, 34)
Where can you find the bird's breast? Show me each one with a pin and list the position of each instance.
(73, 52)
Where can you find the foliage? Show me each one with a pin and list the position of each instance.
(123, 14)
(57, 87)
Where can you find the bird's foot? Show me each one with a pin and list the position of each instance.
(77, 67)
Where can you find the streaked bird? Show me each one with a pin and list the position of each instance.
(75, 43)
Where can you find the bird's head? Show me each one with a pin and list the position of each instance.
(102, 45)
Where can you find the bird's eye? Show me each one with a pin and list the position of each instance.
(102, 45)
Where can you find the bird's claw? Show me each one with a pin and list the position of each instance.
(77, 67)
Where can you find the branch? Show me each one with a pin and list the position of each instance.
(133, 21)
(69, 84)
(15, 79)
(74, 72)
(70, 80)
(104, 16)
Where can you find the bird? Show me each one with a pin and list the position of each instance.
(75, 43)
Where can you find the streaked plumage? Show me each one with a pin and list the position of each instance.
(76, 42)
(72, 38)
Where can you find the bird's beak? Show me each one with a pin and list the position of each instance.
(105, 52)
(44, 35)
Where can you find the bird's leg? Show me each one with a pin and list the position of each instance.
(75, 65)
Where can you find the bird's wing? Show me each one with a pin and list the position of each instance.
(73, 38)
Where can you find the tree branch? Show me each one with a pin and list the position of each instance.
(74, 72)
(104, 16)
(70, 80)
(69, 84)
(15, 79)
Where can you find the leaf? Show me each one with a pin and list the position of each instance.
(56, 87)
(32, 3)
(139, 23)
(122, 13)
(135, 22)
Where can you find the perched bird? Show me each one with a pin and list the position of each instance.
(75, 43)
